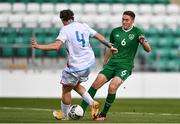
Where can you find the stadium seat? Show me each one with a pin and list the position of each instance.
(157, 21)
(16, 21)
(5, 8)
(77, 8)
(30, 21)
(132, 7)
(103, 8)
(3, 20)
(44, 20)
(33, 8)
(171, 21)
(47, 8)
(89, 19)
(90, 8)
(19, 8)
(60, 6)
(7, 51)
(96, 47)
(56, 22)
(143, 21)
(177, 32)
(25, 32)
(101, 21)
(117, 9)
(22, 50)
(153, 31)
(173, 9)
(115, 20)
(145, 9)
(159, 9)
(176, 43)
(165, 42)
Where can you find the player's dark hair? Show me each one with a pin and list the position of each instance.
(129, 13)
(66, 15)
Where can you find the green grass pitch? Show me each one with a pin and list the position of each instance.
(39, 110)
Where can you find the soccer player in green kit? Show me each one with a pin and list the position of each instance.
(118, 66)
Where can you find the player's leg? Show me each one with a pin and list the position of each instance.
(86, 97)
(113, 86)
(99, 81)
(65, 103)
(68, 81)
(120, 76)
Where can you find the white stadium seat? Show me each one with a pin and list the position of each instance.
(60, 6)
(145, 9)
(19, 8)
(76, 8)
(4, 20)
(45, 20)
(5, 8)
(171, 21)
(143, 20)
(132, 7)
(30, 21)
(117, 8)
(89, 19)
(159, 9)
(101, 21)
(56, 22)
(16, 20)
(173, 9)
(90, 8)
(115, 20)
(157, 21)
(47, 8)
(33, 8)
(103, 9)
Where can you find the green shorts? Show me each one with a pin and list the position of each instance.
(116, 72)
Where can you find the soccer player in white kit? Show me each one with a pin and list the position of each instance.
(80, 58)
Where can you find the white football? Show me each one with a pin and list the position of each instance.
(76, 112)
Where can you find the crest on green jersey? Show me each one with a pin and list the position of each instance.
(131, 36)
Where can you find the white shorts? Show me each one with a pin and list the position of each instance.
(72, 78)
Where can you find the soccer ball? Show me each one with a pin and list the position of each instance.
(76, 112)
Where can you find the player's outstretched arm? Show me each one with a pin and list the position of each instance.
(145, 44)
(102, 39)
(51, 46)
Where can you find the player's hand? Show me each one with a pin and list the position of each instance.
(114, 50)
(141, 39)
(34, 43)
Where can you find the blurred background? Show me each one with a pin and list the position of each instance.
(26, 72)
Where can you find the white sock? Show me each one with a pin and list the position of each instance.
(65, 109)
(86, 97)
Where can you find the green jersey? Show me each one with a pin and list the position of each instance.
(126, 41)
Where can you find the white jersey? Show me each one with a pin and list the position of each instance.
(76, 38)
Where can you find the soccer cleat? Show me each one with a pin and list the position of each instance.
(100, 117)
(59, 115)
(94, 109)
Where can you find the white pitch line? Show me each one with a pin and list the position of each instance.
(128, 113)
(17, 108)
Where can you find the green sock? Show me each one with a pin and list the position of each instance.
(92, 93)
(109, 100)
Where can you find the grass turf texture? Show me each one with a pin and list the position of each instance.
(22, 110)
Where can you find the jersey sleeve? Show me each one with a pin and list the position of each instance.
(62, 36)
(91, 31)
(140, 32)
